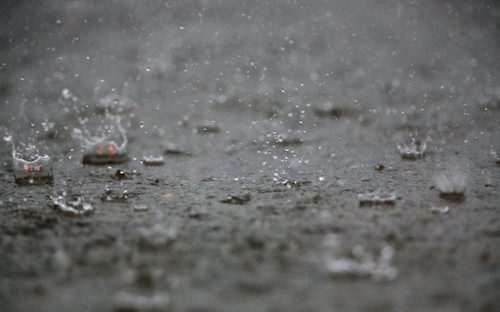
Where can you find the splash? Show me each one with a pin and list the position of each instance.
(75, 206)
(116, 104)
(107, 145)
(157, 237)
(282, 157)
(359, 263)
(413, 151)
(114, 196)
(451, 185)
(29, 165)
(110, 100)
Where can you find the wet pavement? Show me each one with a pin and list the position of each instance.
(251, 131)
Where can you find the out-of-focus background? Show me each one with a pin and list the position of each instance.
(272, 116)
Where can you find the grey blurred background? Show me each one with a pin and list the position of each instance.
(169, 53)
(305, 97)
